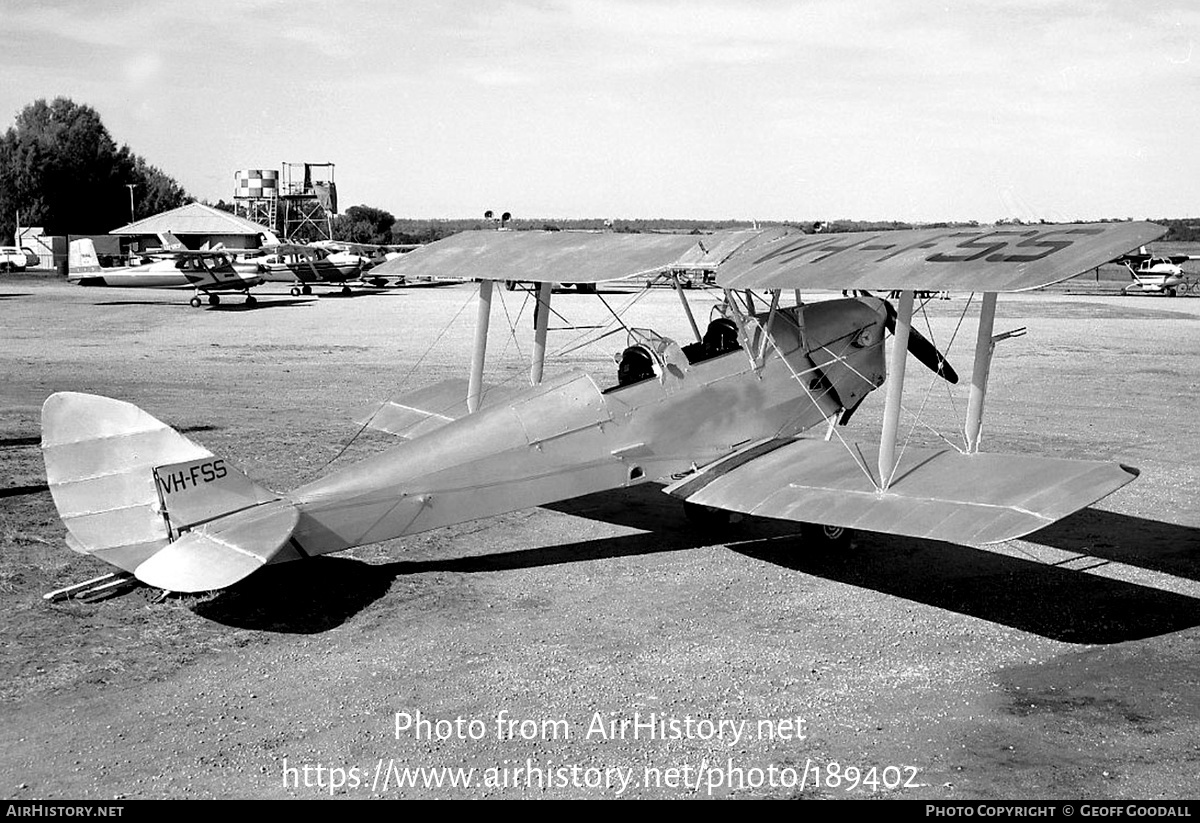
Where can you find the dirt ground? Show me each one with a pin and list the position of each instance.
(743, 662)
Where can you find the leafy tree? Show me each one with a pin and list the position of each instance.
(157, 192)
(62, 170)
(364, 224)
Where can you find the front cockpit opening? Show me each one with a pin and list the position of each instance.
(636, 365)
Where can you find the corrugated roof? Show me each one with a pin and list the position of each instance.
(194, 218)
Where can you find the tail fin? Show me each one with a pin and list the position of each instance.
(81, 259)
(135, 493)
(170, 242)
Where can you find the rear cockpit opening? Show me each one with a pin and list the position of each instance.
(721, 337)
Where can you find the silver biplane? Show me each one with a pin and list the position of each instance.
(723, 421)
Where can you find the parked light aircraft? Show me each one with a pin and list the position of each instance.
(326, 262)
(210, 271)
(1156, 273)
(721, 420)
(304, 265)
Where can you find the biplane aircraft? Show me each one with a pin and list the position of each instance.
(723, 421)
(1156, 273)
(207, 271)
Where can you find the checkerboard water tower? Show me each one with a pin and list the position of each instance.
(297, 203)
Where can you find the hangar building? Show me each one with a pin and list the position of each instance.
(196, 224)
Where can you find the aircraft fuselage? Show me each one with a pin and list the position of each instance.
(566, 437)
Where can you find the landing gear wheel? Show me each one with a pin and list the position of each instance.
(826, 538)
(1170, 292)
(345, 289)
(251, 300)
(195, 301)
(705, 517)
(214, 300)
(306, 289)
(295, 292)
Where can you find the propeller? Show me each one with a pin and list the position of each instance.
(920, 348)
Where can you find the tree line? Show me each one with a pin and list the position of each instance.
(61, 169)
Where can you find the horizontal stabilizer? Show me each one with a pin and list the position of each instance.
(934, 494)
(222, 551)
(422, 411)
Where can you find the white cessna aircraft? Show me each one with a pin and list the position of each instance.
(173, 266)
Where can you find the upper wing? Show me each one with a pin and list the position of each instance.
(934, 494)
(1000, 258)
(543, 256)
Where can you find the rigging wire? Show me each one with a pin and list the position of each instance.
(370, 418)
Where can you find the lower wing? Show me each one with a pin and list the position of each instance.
(939, 494)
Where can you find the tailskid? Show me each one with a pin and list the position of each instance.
(98, 588)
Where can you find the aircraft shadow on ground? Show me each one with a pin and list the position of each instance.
(1148, 544)
(322, 593)
(421, 284)
(270, 303)
(11, 296)
(334, 293)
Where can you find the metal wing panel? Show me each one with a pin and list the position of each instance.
(935, 494)
(985, 258)
(222, 551)
(711, 251)
(560, 256)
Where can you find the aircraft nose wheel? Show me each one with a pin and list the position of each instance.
(295, 292)
(826, 538)
(195, 301)
(251, 299)
(345, 289)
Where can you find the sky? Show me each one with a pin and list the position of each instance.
(755, 109)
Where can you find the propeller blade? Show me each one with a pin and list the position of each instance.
(920, 348)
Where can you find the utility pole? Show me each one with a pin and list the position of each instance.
(131, 187)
